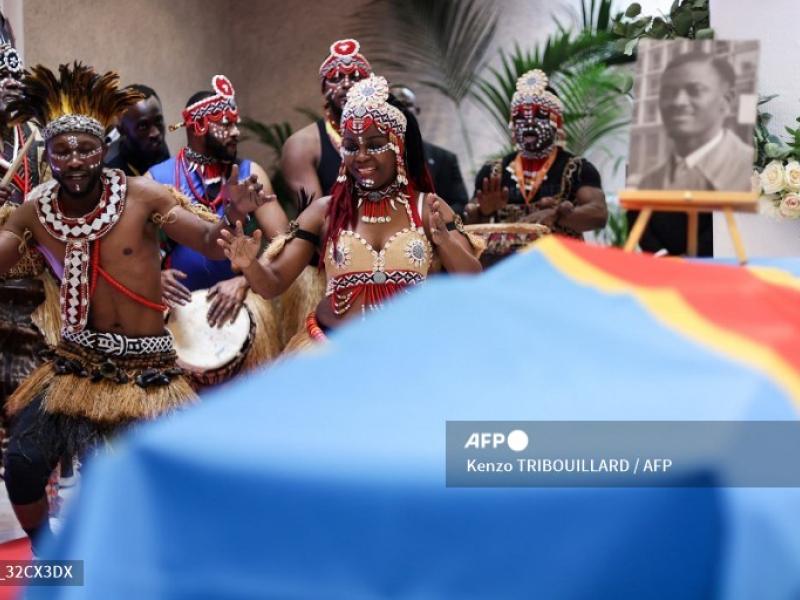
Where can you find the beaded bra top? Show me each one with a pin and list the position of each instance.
(354, 269)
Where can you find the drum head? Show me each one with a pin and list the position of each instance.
(201, 346)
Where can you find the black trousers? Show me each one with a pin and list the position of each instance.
(37, 442)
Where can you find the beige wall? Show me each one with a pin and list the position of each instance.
(279, 46)
(170, 46)
(270, 49)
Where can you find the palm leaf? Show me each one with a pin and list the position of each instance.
(560, 51)
(442, 41)
(439, 44)
(273, 135)
(595, 105)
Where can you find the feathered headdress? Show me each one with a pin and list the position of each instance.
(78, 100)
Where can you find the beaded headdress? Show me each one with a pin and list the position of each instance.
(532, 94)
(10, 62)
(222, 105)
(367, 104)
(344, 59)
(79, 100)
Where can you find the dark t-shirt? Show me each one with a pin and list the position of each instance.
(566, 176)
(447, 181)
(116, 159)
(329, 160)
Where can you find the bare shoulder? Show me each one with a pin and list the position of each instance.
(143, 186)
(318, 208)
(259, 171)
(313, 217)
(144, 190)
(302, 141)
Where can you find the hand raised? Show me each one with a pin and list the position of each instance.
(491, 197)
(436, 223)
(239, 248)
(248, 195)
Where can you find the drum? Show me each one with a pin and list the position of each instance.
(209, 355)
(504, 239)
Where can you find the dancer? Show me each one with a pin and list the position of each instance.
(378, 233)
(99, 230)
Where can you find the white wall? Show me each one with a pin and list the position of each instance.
(774, 23)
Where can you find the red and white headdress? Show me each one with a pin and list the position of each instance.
(222, 105)
(367, 105)
(532, 94)
(344, 59)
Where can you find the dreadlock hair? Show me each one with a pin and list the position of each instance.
(343, 208)
(78, 90)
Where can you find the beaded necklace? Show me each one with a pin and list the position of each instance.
(78, 233)
(529, 186)
(380, 204)
(207, 170)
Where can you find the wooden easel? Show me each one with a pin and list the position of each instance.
(691, 203)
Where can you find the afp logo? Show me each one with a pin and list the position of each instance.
(517, 440)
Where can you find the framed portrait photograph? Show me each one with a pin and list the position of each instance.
(694, 112)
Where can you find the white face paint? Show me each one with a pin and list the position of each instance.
(381, 149)
(218, 132)
(72, 142)
(96, 153)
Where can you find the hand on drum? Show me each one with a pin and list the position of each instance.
(564, 208)
(172, 290)
(226, 299)
(239, 248)
(547, 212)
(491, 197)
(246, 196)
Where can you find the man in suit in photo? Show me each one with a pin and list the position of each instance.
(696, 99)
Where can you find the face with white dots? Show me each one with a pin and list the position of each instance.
(76, 160)
(369, 157)
(534, 132)
(222, 140)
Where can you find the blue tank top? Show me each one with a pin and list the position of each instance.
(202, 272)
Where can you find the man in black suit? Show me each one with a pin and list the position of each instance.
(442, 164)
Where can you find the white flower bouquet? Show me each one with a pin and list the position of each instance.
(778, 184)
(778, 180)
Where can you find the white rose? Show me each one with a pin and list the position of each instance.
(790, 206)
(792, 173)
(773, 178)
(755, 181)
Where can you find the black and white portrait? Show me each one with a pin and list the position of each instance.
(694, 113)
